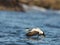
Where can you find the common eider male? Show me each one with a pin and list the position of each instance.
(35, 31)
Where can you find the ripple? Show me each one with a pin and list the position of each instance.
(29, 43)
(52, 26)
(13, 24)
(14, 27)
(12, 44)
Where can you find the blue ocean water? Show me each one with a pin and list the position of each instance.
(13, 24)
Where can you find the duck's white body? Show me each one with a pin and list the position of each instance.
(38, 30)
(34, 31)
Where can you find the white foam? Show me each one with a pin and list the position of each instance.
(27, 8)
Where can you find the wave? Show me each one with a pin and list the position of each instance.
(36, 8)
(27, 8)
(52, 26)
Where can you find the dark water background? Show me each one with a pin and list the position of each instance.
(13, 24)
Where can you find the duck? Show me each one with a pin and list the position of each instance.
(35, 31)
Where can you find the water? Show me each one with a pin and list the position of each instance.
(13, 24)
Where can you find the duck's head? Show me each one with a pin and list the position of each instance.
(41, 34)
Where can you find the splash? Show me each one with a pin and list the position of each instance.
(27, 8)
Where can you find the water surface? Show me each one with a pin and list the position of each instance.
(13, 24)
